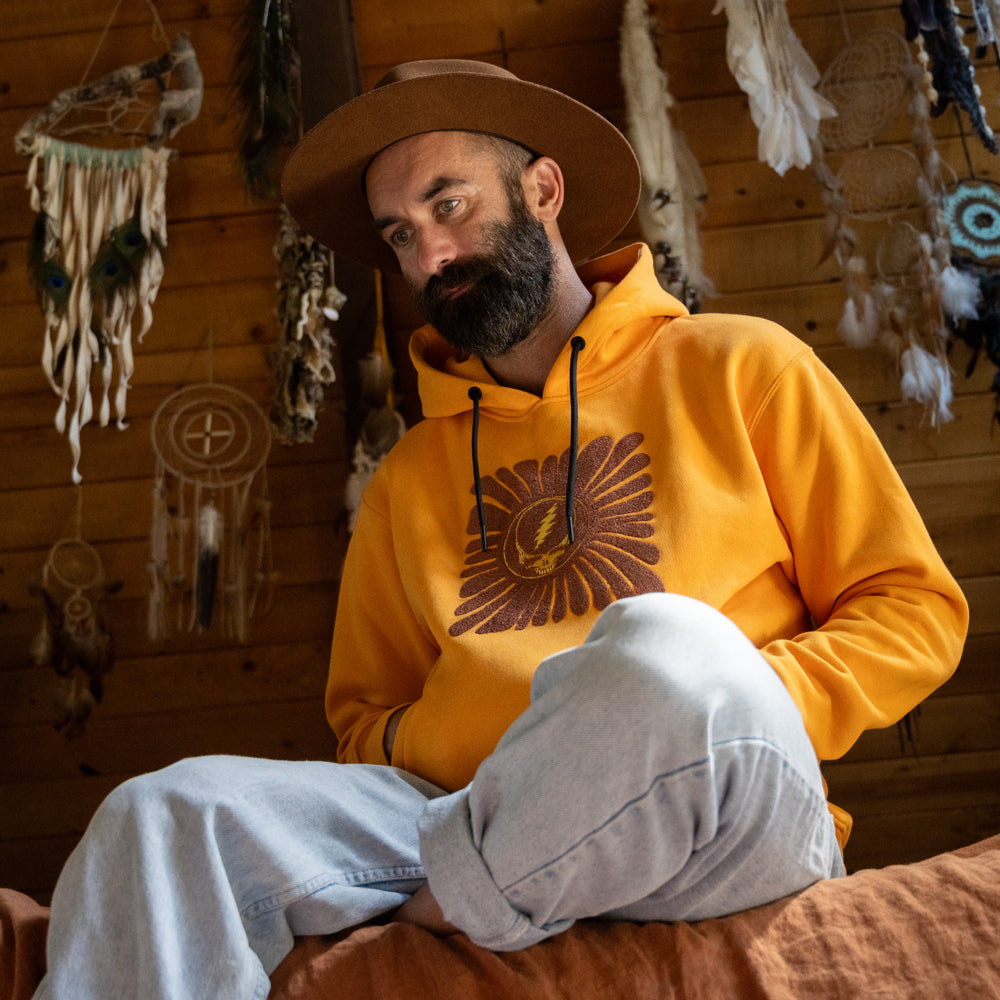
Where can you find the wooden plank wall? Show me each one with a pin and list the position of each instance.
(762, 237)
(194, 693)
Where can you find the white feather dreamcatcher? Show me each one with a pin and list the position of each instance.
(905, 303)
(96, 248)
(210, 542)
(673, 186)
(779, 78)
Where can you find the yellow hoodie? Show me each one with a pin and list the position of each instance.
(717, 458)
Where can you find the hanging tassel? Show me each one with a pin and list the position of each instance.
(159, 563)
(673, 184)
(265, 81)
(383, 424)
(209, 545)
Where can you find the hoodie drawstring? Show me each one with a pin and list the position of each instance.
(475, 394)
(577, 344)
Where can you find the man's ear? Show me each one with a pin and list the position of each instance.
(544, 188)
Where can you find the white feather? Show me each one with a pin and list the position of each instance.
(927, 380)
(960, 294)
(776, 73)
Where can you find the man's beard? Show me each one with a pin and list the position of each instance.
(510, 287)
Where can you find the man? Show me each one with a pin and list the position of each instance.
(604, 610)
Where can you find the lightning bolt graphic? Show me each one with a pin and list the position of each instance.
(546, 526)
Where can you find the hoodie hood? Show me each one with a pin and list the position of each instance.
(625, 298)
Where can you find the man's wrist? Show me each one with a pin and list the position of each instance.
(389, 736)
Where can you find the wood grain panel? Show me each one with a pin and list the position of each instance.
(202, 693)
(296, 614)
(47, 65)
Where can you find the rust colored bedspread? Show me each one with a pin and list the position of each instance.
(929, 929)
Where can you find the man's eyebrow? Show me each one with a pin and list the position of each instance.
(436, 186)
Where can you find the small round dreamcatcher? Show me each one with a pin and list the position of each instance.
(73, 639)
(210, 540)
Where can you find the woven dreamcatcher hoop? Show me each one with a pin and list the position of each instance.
(95, 252)
(879, 181)
(210, 542)
(867, 83)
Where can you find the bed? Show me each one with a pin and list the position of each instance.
(928, 929)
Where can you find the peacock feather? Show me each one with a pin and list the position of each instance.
(51, 281)
(118, 263)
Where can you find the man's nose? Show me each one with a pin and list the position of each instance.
(437, 249)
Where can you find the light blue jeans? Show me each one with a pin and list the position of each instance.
(662, 772)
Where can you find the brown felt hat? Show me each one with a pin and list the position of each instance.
(323, 180)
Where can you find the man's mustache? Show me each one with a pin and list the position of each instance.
(453, 276)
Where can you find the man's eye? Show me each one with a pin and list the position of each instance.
(448, 206)
(400, 238)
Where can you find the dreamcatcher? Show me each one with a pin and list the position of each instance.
(775, 72)
(95, 253)
(210, 542)
(897, 192)
(73, 639)
(971, 208)
(304, 359)
(673, 184)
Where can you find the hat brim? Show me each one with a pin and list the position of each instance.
(323, 179)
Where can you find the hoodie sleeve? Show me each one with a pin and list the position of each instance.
(380, 655)
(890, 618)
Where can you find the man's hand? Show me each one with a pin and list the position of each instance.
(422, 909)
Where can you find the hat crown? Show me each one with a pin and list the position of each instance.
(323, 183)
(438, 67)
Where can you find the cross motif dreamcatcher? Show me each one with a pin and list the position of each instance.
(95, 252)
(210, 542)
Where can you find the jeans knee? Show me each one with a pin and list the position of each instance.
(677, 644)
(666, 658)
(185, 785)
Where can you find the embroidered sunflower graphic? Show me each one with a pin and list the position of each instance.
(532, 574)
